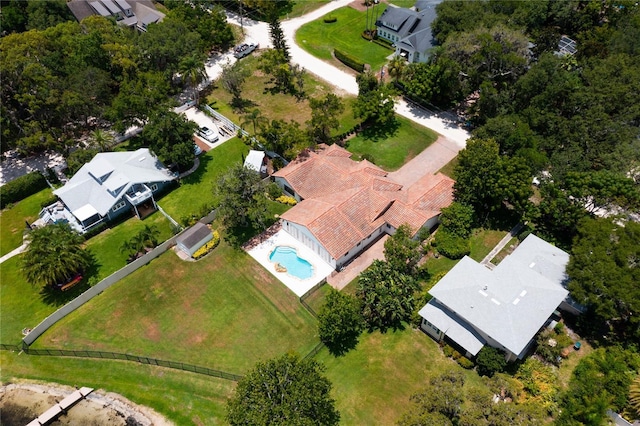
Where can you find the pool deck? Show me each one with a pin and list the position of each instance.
(261, 251)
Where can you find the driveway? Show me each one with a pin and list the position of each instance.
(444, 123)
(203, 120)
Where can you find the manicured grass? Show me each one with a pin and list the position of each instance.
(317, 298)
(195, 191)
(482, 242)
(372, 383)
(184, 398)
(448, 169)
(403, 3)
(105, 247)
(394, 145)
(12, 220)
(224, 312)
(302, 7)
(276, 106)
(320, 38)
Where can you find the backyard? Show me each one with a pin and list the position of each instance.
(224, 312)
(12, 220)
(320, 38)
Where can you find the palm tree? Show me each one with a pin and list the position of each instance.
(396, 67)
(54, 254)
(634, 395)
(193, 71)
(101, 140)
(256, 118)
(149, 236)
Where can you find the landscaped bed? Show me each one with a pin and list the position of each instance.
(224, 312)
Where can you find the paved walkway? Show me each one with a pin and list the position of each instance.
(486, 261)
(15, 252)
(428, 161)
(339, 280)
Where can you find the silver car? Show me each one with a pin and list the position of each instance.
(208, 134)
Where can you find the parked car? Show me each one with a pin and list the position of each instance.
(208, 134)
(196, 149)
(244, 49)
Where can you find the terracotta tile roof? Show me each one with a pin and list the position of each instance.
(344, 201)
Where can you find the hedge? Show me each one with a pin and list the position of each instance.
(349, 60)
(21, 188)
(330, 19)
(450, 245)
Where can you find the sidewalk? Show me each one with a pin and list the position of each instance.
(15, 252)
(514, 231)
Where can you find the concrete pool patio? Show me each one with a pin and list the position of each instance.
(261, 251)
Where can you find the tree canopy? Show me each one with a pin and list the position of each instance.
(170, 136)
(604, 273)
(340, 322)
(401, 251)
(242, 199)
(283, 391)
(54, 255)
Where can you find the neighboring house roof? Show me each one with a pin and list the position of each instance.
(344, 201)
(567, 46)
(141, 12)
(412, 27)
(194, 235)
(103, 181)
(509, 304)
(255, 160)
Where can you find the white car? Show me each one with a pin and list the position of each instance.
(208, 134)
(244, 49)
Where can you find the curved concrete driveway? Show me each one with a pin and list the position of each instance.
(443, 123)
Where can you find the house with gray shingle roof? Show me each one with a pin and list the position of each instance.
(344, 205)
(111, 184)
(505, 307)
(409, 29)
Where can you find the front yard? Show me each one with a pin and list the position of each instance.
(320, 38)
(12, 220)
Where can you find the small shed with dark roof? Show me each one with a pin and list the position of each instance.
(194, 238)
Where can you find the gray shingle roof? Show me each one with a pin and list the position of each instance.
(193, 235)
(96, 182)
(512, 302)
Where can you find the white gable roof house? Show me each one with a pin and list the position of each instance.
(103, 188)
(256, 161)
(409, 29)
(505, 307)
(131, 13)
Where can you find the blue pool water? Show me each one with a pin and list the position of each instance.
(288, 257)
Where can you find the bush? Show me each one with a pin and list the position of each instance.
(490, 361)
(330, 19)
(465, 363)
(285, 199)
(21, 188)
(451, 246)
(49, 201)
(274, 191)
(95, 230)
(349, 60)
(208, 246)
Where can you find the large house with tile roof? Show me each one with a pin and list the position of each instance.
(344, 205)
(504, 307)
(110, 185)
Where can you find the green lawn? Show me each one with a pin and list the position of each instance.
(448, 169)
(224, 312)
(195, 191)
(276, 106)
(302, 7)
(185, 398)
(320, 38)
(393, 145)
(12, 220)
(372, 383)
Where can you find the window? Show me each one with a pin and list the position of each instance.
(154, 187)
(118, 206)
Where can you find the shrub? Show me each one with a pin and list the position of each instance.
(274, 191)
(208, 246)
(349, 60)
(465, 363)
(450, 245)
(95, 230)
(49, 201)
(490, 361)
(285, 199)
(330, 19)
(22, 187)
(448, 350)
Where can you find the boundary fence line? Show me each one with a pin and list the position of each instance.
(124, 357)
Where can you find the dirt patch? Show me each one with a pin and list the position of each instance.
(21, 403)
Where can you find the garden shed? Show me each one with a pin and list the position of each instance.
(194, 238)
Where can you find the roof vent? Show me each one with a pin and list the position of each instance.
(141, 159)
(532, 264)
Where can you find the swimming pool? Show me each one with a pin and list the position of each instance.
(288, 257)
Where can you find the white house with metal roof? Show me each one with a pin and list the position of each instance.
(409, 29)
(505, 307)
(111, 184)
